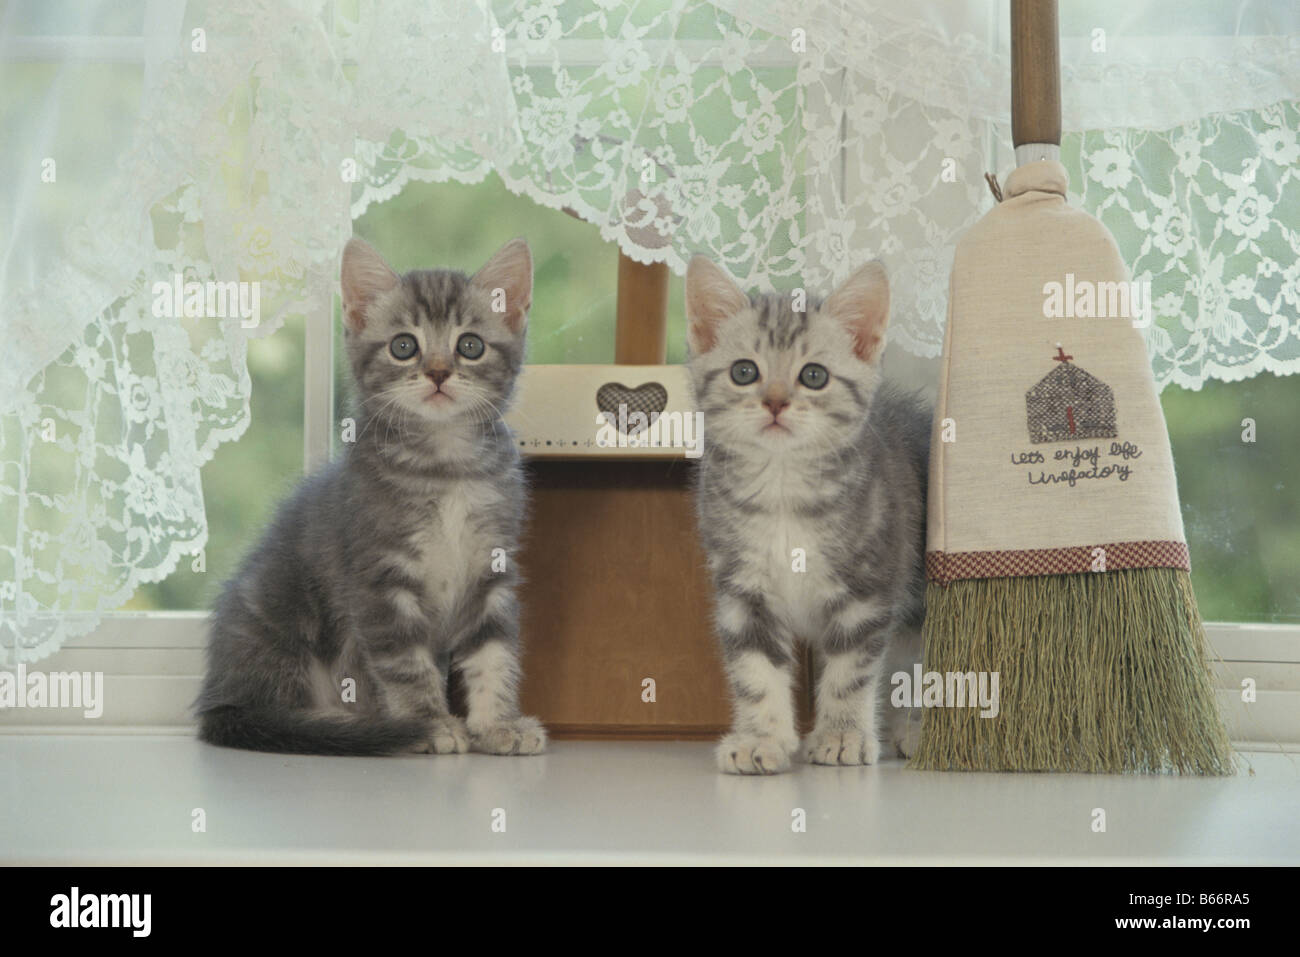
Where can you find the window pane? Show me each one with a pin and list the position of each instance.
(1241, 506)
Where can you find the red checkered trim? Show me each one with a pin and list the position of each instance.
(945, 567)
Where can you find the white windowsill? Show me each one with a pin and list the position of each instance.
(610, 803)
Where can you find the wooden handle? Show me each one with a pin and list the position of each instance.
(1035, 73)
(641, 330)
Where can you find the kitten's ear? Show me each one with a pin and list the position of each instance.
(365, 277)
(508, 279)
(862, 305)
(711, 298)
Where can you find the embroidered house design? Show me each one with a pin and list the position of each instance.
(1069, 403)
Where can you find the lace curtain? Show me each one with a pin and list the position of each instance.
(238, 140)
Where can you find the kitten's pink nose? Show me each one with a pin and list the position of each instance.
(775, 403)
(439, 375)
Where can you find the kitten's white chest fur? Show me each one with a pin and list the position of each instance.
(789, 565)
(454, 543)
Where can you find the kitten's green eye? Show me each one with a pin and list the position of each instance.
(403, 346)
(470, 346)
(743, 372)
(814, 376)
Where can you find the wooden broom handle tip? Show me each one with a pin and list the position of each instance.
(1035, 73)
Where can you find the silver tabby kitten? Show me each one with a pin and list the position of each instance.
(399, 555)
(811, 501)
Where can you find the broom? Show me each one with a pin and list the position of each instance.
(1056, 557)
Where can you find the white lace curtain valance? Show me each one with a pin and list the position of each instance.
(788, 140)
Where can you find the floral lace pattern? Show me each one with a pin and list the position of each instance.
(676, 127)
(1209, 215)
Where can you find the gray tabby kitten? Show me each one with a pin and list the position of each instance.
(811, 500)
(400, 554)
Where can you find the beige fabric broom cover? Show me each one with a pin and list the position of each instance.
(1050, 453)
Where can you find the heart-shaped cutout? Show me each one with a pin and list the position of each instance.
(648, 399)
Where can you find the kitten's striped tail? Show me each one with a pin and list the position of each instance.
(232, 727)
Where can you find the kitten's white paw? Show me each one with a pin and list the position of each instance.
(447, 735)
(744, 754)
(518, 736)
(846, 747)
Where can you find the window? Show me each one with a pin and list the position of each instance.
(1240, 511)
(1240, 506)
